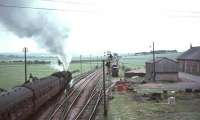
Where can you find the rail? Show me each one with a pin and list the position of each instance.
(95, 91)
(78, 95)
(61, 103)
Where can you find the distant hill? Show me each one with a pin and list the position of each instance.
(157, 52)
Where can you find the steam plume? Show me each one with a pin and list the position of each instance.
(35, 25)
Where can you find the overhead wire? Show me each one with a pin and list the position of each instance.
(69, 2)
(42, 8)
(59, 1)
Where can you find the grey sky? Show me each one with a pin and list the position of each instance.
(116, 25)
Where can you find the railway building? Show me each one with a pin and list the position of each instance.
(165, 69)
(189, 61)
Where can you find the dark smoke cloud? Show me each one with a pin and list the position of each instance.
(33, 24)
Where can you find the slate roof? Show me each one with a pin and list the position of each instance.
(192, 54)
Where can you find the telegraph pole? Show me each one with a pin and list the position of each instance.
(81, 64)
(90, 61)
(25, 63)
(97, 61)
(154, 64)
(104, 89)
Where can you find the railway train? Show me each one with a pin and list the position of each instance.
(22, 101)
(115, 70)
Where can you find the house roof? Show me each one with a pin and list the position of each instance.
(192, 54)
(158, 59)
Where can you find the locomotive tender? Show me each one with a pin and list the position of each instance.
(22, 101)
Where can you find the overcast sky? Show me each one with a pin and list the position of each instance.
(123, 26)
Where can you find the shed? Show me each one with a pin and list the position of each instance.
(165, 69)
(136, 72)
(189, 61)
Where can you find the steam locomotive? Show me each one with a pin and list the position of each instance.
(22, 101)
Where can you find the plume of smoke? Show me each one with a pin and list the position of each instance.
(65, 61)
(56, 66)
(35, 25)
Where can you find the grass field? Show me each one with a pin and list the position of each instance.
(139, 61)
(12, 74)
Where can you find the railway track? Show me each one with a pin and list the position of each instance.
(63, 107)
(79, 77)
(89, 109)
(76, 104)
(61, 99)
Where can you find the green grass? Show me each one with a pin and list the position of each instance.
(123, 107)
(85, 66)
(139, 61)
(12, 74)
